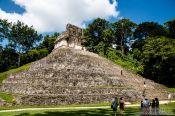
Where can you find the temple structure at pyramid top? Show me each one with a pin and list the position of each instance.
(72, 37)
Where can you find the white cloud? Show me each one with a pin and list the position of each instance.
(53, 15)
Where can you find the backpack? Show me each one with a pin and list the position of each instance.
(111, 106)
(114, 104)
(146, 103)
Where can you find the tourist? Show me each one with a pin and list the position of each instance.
(141, 106)
(153, 105)
(121, 72)
(169, 97)
(122, 106)
(146, 105)
(156, 106)
(114, 105)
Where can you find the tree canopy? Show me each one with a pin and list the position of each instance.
(157, 57)
(171, 27)
(123, 30)
(149, 29)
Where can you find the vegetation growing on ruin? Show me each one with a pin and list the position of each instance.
(6, 96)
(4, 75)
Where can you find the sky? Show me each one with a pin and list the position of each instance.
(52, 15)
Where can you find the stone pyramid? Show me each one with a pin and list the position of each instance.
(76, 76)
(69, 76)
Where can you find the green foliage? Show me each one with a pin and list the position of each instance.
(8, 58)
(149, 29)
(21, 41)
(171, 27)
(49, 42)
(33, 55)
(123, 30)
(4, 75)
(158, 59)
(94, 34)
(100, 37)
(22, 37)
(125, 61)
(6, 96)
(171, 90)
(4, 29)
(151, 57)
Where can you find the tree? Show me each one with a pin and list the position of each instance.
(49, 42)
(158, 54)
(167, 71)
(4, 29)
(22, 38)
(33, 55)
(142, 32)
(149, 29)
(107, 38)
(123, 30)
(8, 57)
(171, 27)
(94, 34)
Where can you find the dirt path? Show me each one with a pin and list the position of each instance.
(66, 108)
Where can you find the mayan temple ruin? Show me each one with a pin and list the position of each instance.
(72, 37)
(72, 75)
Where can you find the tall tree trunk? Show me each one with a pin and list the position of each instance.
(122, 43)
(19, 59)
(122, 47)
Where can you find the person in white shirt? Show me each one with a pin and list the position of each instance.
(146, 105)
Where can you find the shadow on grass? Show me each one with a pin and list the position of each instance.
(89, 112)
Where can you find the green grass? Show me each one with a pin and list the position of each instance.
(72, 112)
(167, 88)
(6, 96)
(125, 61)
(129, 111)
(72, 105)
(169, 108)
(171, 90)
(3, 75)
(128, 65)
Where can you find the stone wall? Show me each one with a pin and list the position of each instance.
(72, 38)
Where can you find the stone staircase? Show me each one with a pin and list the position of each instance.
(68, 76)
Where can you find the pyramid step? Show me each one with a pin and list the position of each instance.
(67, 99)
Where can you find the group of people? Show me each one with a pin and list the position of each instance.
(116, 103)
(146, 104)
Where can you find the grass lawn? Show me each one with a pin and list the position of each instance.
(60, 106)
(129, 111)
(3, 75)
(6, 96)
(70, 112)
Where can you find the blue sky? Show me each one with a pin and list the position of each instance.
(48, 17)
(9, 6)
(147, 10)
(137, 10)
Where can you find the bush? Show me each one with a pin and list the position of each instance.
(34, 55)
